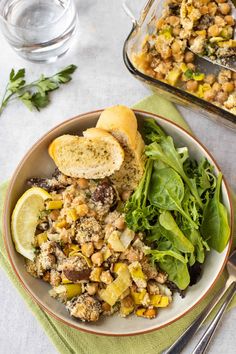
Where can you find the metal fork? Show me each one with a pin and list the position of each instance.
(230, 289)
(210, 330)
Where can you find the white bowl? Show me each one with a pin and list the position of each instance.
(38, 163)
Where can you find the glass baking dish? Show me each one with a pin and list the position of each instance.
(133, 45)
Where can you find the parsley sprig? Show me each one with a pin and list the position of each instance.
(34, 95)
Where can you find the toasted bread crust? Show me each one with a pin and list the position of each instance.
(96, 156)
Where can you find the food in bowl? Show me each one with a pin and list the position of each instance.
(87, 240)
(201, 26)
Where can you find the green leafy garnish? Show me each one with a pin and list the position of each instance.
(177, 205)
(36, 94)
(215, 228)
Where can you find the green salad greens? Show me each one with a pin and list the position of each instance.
(177, 206)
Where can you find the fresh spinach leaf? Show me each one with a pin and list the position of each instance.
(215, 227)
(166, 191)
(166, 152)
(174, 264)
(173, 233)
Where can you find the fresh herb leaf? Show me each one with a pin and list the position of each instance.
(138, 213)
(36, 94)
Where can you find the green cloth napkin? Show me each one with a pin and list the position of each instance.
(68, 340)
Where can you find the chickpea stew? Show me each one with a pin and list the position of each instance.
(186, 27)
(95, 264)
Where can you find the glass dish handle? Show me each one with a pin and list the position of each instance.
(144, 12)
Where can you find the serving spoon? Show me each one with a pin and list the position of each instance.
(227, 63)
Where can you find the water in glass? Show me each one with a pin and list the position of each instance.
(39, 30)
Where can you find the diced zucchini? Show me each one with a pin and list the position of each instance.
(198, 76)
(115, 242)
(41, 238)
(127, 237)
(155, 300)
(54, 204)
(164, 301)
(71, 213)
(173, 76)
(114, 290)
(61, 224)
(216, 39)
(95, 274)
(138, 296)
(125, 311)
(137, 274)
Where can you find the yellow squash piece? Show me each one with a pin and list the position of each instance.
(72, 214)
(41, 238)
(138, 296)
(115, 243)
(137, 274)
(114, 290)
(54, 204)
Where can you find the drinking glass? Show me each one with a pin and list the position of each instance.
(39, 30)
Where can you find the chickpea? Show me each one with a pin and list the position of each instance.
(160, 23)
(213, 31)
(176, 31)
(106, 277)
(159, 76)
(92, 288)
(209, 95)
(234, 75)
(191, 66)
(97, 258)
(98, 245)
(120, 223)
(92, 213)
(216, 86)
(203, 10)
(128, 301)
(210, 79)
(219, 21)
(83, 183)
(230, 20)
(173, 20)
(224, 8)
(192, 86)
(221, 97)
(175, 47)
(212, 8)
(188, 57)
(54, 214)
(125, 195)
(46, 277)
(87, 249)
(228, 87)
(82, 210)
(106, 307)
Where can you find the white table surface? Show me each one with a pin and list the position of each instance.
(100, 80)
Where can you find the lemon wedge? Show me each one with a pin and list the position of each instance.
(24, 220)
